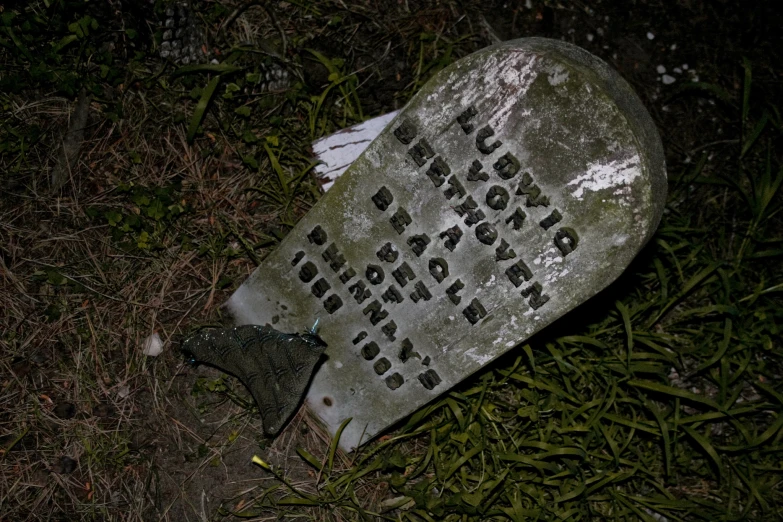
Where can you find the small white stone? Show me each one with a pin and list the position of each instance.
(668, 80)
(685, 67)
(678, 70)
(590, 37)
(673, 47)
(661, 69)
(650, 36)
(123, 391)
(153, 346)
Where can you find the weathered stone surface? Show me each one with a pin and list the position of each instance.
(518, 183)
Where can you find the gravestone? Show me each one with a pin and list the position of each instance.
(519, 182)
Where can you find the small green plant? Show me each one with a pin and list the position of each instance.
(147, 218)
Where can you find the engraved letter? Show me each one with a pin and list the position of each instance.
(455, 188)
(308, 272)
(550, 220)
(536, 300)
(533, 192)
(483, 134)
(419, 243)
(403, 273)
(453, 290)
(486, 233)
(465, 117)
(420, 293)
(298, 257)
(388, 330)
(317, 235)
(333, 256)
(347, 275)
(374, 274)
(407, 351)
(438, 171)
(497, 197)
(400, 220)
(359, 291)
(566, 240)
(377, 314)
(370, 350)
(474, 311)
(387, 253)
(333, 303)
(439, 269)
(503, 253)
(383, 198)
(320, 287)
(394, 381)
(429, 379)
(517, 218)
(392, 294)
(381, 366)
(507, 166)
(453, 234)
(474, 172)
(469, 209)
(421, 152)
(519, 272)
(405, 132)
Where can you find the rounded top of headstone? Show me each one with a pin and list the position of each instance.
(544, 54)
(620, 91)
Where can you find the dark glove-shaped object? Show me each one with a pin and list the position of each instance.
(274, 366)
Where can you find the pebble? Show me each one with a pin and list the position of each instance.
(152, 346)
(650, 36)
(661, 69)
(668, 80)
(123, 391)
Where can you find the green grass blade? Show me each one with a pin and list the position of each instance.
(201, 108)
(675, 392)
(281, 177)
(707, 447)
(722, 347)
(462, 460)
(334, 444)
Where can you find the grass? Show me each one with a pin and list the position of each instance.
(663, 400)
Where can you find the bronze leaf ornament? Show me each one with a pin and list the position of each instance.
(274, 366)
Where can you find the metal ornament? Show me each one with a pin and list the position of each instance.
(275, 367)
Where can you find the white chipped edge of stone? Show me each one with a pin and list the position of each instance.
(339, 150)
(599, 176)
